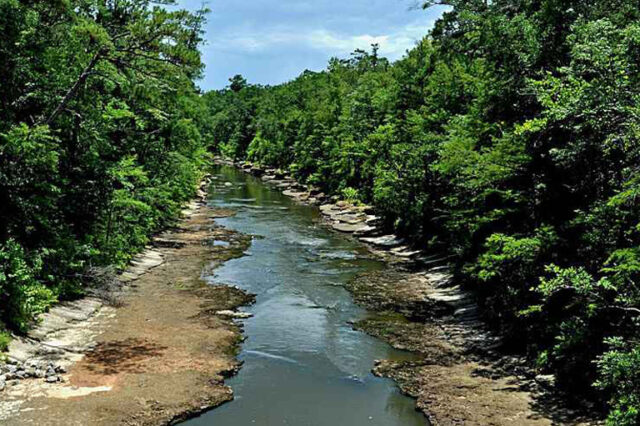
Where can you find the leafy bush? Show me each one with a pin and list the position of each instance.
(507, 271)
(5, 339)
(619, 370)
(350, 194)
(22, 296)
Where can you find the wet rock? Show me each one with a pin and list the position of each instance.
(386, 241)
(228, 184)
(327, 209)
(351, 219)
(405, 251)
(348, 227)
(367, 231)
(234, 314)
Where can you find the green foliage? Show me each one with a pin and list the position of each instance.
(505, 273)
(620, 376)
(5, 340)
(22, 296)
(103, 135)
(350, 195)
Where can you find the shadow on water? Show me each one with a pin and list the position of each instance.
(303, 364)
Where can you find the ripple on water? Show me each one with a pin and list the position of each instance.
(304, 364)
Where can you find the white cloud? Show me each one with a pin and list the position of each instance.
(392, 45)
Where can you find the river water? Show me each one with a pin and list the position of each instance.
(303, 363)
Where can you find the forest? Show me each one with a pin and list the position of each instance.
(508, 138)
(102, 138)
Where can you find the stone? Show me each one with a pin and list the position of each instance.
(228, 184)
(386, 241)
(52, 379)
(234, 314)
(60, 369)
(366, 230)
(546, 380)
(2, 386)
(327, 208)
(351, 218)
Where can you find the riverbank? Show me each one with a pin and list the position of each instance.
(158, 353)
(463, 376)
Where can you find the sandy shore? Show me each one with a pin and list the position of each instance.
(160, 356)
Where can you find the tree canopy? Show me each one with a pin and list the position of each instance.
(102, 137)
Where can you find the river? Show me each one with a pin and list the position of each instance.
(304, 365)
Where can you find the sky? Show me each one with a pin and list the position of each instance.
(273, 41)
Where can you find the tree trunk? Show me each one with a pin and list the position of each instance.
(73, 91)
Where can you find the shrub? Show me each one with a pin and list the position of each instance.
(22, 296)
(619, 370)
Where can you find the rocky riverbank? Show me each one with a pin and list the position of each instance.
(463, 376)
(152, 347)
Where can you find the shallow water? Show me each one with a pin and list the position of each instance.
(303, 363)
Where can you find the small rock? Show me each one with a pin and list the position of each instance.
(2, 386)
(228, 184)
(546, 380)
(60, 369)
(233, 314)
(52, 379)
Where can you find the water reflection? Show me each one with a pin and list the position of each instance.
(304, 365)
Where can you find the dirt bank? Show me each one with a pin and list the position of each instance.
(160, 356)
(462, 378)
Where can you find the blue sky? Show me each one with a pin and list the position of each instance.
(273, 41)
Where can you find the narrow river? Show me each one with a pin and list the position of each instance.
(303, 363)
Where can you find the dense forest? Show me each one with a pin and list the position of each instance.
(102, 138)
(507, 138)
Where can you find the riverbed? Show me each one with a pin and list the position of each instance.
(304, 364)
